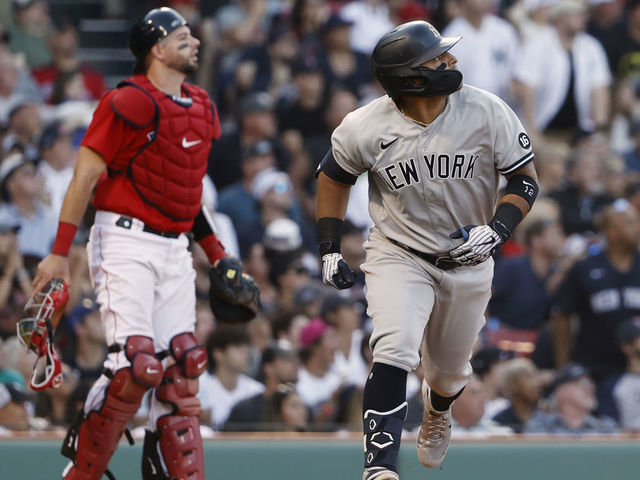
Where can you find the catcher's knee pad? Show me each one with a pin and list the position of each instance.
(382, 432)
(99, 431)
(176, 445)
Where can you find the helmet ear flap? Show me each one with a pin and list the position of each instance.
(399, 55)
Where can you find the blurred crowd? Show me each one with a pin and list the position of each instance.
(560, 352)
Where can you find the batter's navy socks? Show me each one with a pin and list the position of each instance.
(382, 432)
(441, 403)
(385, 388)
(435, 432)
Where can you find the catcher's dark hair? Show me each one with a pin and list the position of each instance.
(224, 336)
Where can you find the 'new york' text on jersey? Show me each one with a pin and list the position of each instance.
(426, 182)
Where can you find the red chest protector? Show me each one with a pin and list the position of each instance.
(167, 171)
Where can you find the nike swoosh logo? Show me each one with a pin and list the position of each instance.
(488, 242)
(527, 183)
(186, 144)
(151, 371)
(384, 146)
(201, 364)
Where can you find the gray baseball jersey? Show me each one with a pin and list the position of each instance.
(428, 181)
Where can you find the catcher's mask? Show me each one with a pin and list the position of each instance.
(35, 332)
(398, 57)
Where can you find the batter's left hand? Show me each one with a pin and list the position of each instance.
(336, 272)
(481, 242)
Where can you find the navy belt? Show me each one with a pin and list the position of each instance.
(442, 261)
(126, 222)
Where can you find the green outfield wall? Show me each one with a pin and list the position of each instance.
(290, 459)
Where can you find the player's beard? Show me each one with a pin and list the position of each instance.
(184, 65)
(187, 67)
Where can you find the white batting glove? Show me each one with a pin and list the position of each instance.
(481, 242)
(336, 272)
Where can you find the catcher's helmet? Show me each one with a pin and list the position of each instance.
(399, 54)
(156, 24)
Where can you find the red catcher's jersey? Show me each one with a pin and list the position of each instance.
(162, 186)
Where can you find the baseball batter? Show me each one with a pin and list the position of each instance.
(435, 151)
(146, 152)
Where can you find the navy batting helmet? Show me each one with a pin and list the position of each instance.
(156, 24)
(398, 57)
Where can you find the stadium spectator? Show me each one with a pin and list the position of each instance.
(468, 413)
(601, 291)
(236, 200)
(632, 157)
(205, 320)
(56, 404)
(308, 299)
(521, 300)
(575, 399)
(57, 157)
(21, 189)
(318, 384)
(619, 397)
(15, 280)
(29, 32)
(16, 84)
(621, 40)
(256, 122)
(25, 125)
(488, 40)
(522, 386)
(260, 337)
(342, 313)
(267, 68)
(551, 165)
(340, 65)
(64, 44)
(563, 78)
(89, 349)
(304, 111)
(13, 411)
(287, 411)
(288, 273)
(287, 326)
(626, 111)
(256, 264)
(225, 383)
(279, 366)
(488, 364)
(533, 20)
(273, 191)
(581, 197)
(242, 23)
(371, 20)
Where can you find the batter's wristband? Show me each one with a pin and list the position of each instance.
(506, 219)
(212, 247)
(329, 235)
(64, 238)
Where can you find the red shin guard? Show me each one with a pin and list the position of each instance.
(100, 432)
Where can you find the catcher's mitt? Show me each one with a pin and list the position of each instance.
(234, 296)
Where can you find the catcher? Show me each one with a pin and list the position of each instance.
(146, 153)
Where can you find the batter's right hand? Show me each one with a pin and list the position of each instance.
(52, 266)
(336, 272)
